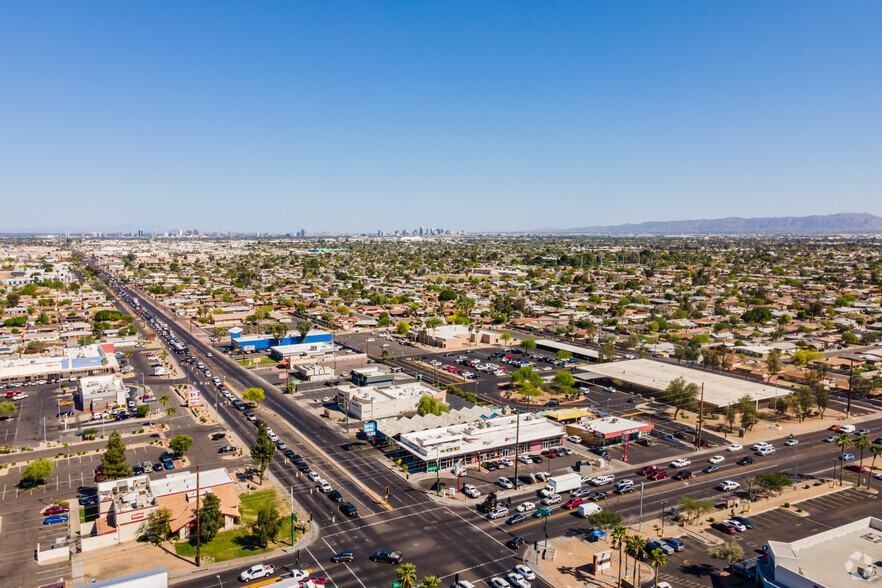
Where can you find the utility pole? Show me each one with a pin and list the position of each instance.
(700, 417)
(640, 522)
(850, 384)
(197, 517)
(517, 444)
(663, 503)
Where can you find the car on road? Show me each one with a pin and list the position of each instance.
(682, 475)
(598, 495)
(525, 572)
(658, 475)
(863, 432)
(746, 460)
(526, 507)
(226, 449)
(349, 510)
(602, 480)
(387, 556)
(56, 510)
(711, 469)
(734, 447)
(335, 496)
(463, 584)
(724, 528)
(829, 438)
(573, 502)
(516, 580)
(574, 439)
(314, 476)
(728, 485)
(515, 519)
(717, 459)
(497, 582)
(515, 542)
(764, 451)
(471, 491)
(498, 512)
(847, 457)
(257, 571)
(646, 470)
(680, 463)
(343, 556)
(791, 442)
(577, 493)
(760, 445)
(324, 487)
(857, 468)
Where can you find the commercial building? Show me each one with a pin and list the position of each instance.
(480, 440)
(313, 372)
(849, 555)
(372, 376)
(257, 342)
(301, 353)
(88, 360)
(369, 402)
(652, 377)
(99, 392)
(609, 430)
(578, 352)
(125, 504)
(456, 337)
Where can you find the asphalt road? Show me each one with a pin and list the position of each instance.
(439, 538)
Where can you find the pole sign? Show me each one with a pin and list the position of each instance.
(370, 428)
(194, 399)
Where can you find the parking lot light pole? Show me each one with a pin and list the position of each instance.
(219, 580)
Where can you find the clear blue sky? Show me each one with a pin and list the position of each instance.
(358, 116)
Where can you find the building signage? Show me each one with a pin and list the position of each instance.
(370, 427)
(137, 516)
(194, 398)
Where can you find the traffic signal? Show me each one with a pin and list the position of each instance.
(310, 516)
(387, 491)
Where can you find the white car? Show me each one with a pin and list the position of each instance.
(574, 439)
(734, 447)
(525, 459)
(525, 571)
(471, 491)
(602, 480)
(498, 582)
(791, 442)
(759, 445)
(464, 584)
(728, 485)
(680, 463)
(314, 476)
(505, 483)
(552, 499)
(257, 571)
(498, 512)
(526, 507)
(767, 450)
(717, 459)
(517, 580)
(506, 462)
(324, 487)
(371, 340)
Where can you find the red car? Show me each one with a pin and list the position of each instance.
(658, 475)
(573, 502)
(833, 427)
(724, 528)
(857, 468)
(54, 510)
(646, 470)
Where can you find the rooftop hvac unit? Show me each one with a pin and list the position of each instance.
(866, 572)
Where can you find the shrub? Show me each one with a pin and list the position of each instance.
(711, 519)
(786, 505)
(799, 509)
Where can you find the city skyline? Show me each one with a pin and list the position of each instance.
(487, 118)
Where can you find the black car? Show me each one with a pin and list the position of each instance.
(218, 436)
(743, 521)
(335, 496)
(683, 475)
(527, 479)
(746, 460)
(347, 446)
(350, 511)
(289, 453)
(137, 470)
(598, 495)
(388, 556)
(27, 483)
(303, 466)
(343, 556)
(514, 542)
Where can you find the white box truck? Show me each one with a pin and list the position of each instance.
(589, 508)
(564, 483)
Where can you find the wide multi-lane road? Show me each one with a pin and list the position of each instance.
(439, 538)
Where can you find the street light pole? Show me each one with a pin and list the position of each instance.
(640, 522)
(663, 504)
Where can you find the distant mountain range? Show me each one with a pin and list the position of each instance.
(847, 222)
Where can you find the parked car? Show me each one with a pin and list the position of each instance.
(55, 510)
(51, 520)
(724, 528)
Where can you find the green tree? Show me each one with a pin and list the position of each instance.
(730, 552)
(505, 337)
(731, 413)
(528, 344)
(267, 525)
(430, 582)
(619, 534)
(861, 442)
(773, 481)
(211, 520)
(657, 559)
(402, 328)
(563, 379)
(163, 400)
(255, 395)
(431, 405)
(114, 459)
(38, 470)
(822, 400)
(142, 410)
(876, 450)
(384, 355)
(695, 507)
(682, 396)
(279, 330)
(564, 354)
(801, 400)
(773, 362)
(607, 353)
(303, 327)
(156, 526)
(7, 409)
(605, 519)
(525, 375)
(406, 575)
(180, 444)
(802, 357)
(843, 442)
(263, 450)
(749, 413)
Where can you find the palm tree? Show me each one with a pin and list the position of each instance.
(170, 411)
(406, 575)
(861, 442)
(657, 559)
(618, 535)
(163, 400)
(843, 442)
(876, 450)
(634, 543)
(430, 582)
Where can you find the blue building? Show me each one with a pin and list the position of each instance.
(257, 342)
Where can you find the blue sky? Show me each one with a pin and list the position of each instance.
(358, 116)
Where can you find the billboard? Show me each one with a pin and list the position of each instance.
(194, 399)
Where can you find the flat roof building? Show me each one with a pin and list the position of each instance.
(372, 376)
(369, 402)
(481, 440)
(609, 430)
(646, 375)
(99, 392)
(65, 363)
(257, 342)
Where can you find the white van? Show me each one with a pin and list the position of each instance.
(846, 429)
(589, 508)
